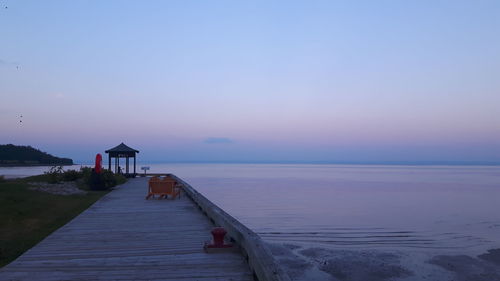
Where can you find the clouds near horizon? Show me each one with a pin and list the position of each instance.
(214, 140)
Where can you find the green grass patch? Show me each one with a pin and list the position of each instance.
(27, 216)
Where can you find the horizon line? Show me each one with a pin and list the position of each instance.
(375, 163)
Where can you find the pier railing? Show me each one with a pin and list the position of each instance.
(255, 251)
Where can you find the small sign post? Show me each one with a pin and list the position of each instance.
(145, 169)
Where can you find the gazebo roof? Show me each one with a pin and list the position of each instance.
(122, 148)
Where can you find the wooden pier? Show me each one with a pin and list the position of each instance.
(125, 237)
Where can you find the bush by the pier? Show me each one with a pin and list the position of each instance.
(95, 181)
(111, 179)
(54, 175)
(72, 175)
(2, 178)
(57, 174)
(89, 178)
(86, 173)
(104, 180)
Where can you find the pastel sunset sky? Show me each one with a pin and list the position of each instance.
(253, 81)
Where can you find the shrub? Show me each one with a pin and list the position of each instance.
(95, 181)
(2, 178)
(103, 181)
(108, 178)
(120, 179)
(86, 171)
(71, 175)
(54, 175)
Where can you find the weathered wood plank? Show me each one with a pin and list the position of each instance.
(125, 237)
(259, 257)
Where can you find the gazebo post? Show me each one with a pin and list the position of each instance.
(126, 168)
(134, 165)
(109, 161)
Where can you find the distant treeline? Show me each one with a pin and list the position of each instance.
(15, 155)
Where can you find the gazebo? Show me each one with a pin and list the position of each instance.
(121, 151)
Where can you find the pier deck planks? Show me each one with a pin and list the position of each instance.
(125, 237)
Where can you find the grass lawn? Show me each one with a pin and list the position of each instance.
(26, 216)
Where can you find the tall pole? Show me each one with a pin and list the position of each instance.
(126, 169)
(109, 161)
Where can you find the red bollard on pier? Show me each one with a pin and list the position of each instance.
(217, 244)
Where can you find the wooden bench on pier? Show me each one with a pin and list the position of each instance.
(163, 187)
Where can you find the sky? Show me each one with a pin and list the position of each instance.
(253, 81)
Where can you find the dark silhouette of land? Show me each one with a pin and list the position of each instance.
(15, 155)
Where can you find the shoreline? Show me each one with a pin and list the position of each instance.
(13, 172)
(35, 165)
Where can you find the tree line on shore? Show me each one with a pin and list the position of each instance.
(18, 155)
